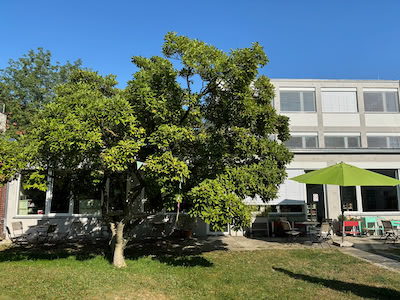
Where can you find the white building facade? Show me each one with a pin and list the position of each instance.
(354, 121)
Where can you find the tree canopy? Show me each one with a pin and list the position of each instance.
(204, 127)
(226, 134)
(27, 84)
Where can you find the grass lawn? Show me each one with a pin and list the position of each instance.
(267, 274)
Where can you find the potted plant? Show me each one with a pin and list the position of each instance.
(185, 225)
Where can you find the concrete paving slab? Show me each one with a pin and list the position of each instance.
(374, 258)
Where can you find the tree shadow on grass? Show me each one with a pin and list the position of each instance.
(361, 290)
(173, 252)
(184, 261)
(50, 252)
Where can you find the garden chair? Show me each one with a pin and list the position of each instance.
(389, 232)
(291, 233)
(371, 225)
(396, 224)
(324, 234)
(18, 236)
(50, 236)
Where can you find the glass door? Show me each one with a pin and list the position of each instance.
(315, 202)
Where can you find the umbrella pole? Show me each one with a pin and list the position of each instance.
(341, 206)
(342, 227)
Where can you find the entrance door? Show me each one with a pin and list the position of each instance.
(315, 196)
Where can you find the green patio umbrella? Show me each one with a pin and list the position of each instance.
(345, 175)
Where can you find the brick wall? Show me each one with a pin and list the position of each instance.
(2, 209)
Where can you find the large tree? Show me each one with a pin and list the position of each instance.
(27, 84)
(205, 129)
(214, 115)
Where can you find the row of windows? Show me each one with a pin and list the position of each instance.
(339, 101)
(70, 194)
(342, 141)
(373, 198)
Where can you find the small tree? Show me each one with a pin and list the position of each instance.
(90, 126)
(207, 148)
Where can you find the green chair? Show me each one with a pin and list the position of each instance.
(396, 224)
(371, 224)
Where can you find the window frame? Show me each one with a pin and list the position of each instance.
(48, 202)
(387, 136)
(345, 136)
(384, 101)
(19, 184)
(396, 189)
(303, 139)
(301, 91)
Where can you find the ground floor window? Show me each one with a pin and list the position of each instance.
(117, 192)
(349, 198)
(77, 189)
(380, 198)
(61, 192)
(31, 201)
(86, 194)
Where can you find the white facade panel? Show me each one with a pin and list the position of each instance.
(302, 119)
(296, 89)
(339, 120)
(382, 120)
(308, 165)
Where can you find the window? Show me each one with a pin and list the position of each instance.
(86, 194)
(117, 192)
(297, 100)
(383, 141)
(31, 201)
(381, 100)
(77, 188)
(336, 141)
(380, 198)
(62, 192)
(349, 198)
(302, 142)
(339, 100)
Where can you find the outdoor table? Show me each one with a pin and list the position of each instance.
(309, 225)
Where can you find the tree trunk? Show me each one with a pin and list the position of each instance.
(118, 244)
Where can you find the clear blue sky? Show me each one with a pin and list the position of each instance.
(356, 39)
